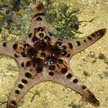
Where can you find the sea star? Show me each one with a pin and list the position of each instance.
(42, 57)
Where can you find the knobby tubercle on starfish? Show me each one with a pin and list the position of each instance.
(42, 57)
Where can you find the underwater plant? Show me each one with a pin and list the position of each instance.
(15, 15)
(63, 20)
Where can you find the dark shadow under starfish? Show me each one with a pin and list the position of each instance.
(42, 57)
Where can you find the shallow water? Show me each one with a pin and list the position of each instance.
(91, 66)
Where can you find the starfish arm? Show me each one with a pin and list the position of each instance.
(6, 48)
(71, 81)
(25, 81)
(39, 29)
(82, 43)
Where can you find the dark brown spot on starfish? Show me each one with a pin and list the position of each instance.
(16, 55)
(40, 29)
(60, 61)
(4, 44)
(52, 67)
(54, 51)
(13, 102)
(78, 43)
(70, 45)
(39, 69)
(43, 55)
(24, 81)
(63, 70)
(31, 52)
(83, 87)
(26, 45)
(51, 73)
(63, 47)
(75, 80)
(20, 86)
(15, 46)
(37, 63)
(101, 32)
(39, 14)
(68, 55)
(24, 54)
(69, 75)
(41, 45)
(89, 38)
(39, 19)
(30, 35)
(17, 91)
(22, 64)
(63, 53)
(47, 38)
(84, 40)
(93, 35)
(50, 60)
(28, 75)
(34, 39)
(41, 35)
(58, 43)
(28, 63)
(50, 33)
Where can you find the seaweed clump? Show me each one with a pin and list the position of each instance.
(63, 20)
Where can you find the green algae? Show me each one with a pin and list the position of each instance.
(64, 21)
